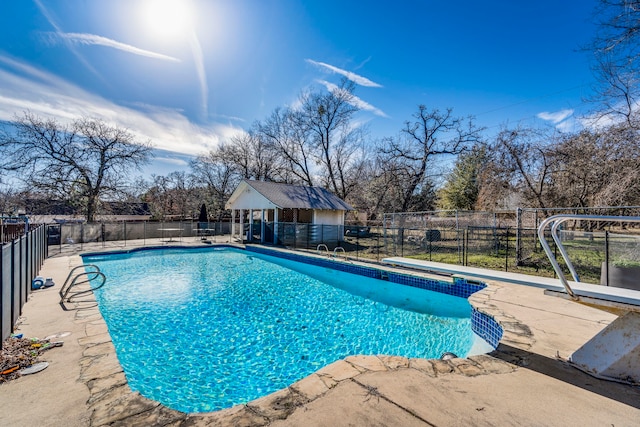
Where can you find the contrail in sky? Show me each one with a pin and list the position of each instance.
(55, 25)
(198, 58)
(355, 101)
(92, 39)
(362, 81)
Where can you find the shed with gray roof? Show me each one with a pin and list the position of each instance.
(281, 212)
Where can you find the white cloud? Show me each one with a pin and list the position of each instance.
(555, 117)
(24, 87)
(172, 161)
(355, 101)
(92, 39)
(362, 81)
(569, 125)
(603, 119)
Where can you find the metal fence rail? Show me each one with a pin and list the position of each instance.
(556, 221)
(22, 258)
(498, 248)
(486, 241)
(75, 237)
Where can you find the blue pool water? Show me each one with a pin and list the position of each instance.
(204, 329)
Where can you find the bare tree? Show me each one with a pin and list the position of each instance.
(616, 49)
(522, 158)
(254, 156)
(249, 155)
(613, 163)
(219, 175)
(617, 95)
(578, 166)
(431, 135)
(172, 196)
(87, 159)
(594, 167)
(10, 200)
(328, 120)
(288, 137)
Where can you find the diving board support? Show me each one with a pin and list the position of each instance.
(614, 352)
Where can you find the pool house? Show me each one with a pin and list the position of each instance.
(286, 214)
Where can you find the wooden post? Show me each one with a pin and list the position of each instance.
(250, 224)
(233, 223)
(275, 226)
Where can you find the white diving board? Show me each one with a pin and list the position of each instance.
(619, 298)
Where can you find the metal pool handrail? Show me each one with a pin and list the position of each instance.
(338, 249)
(92, 272)
(557, 220)
(89, 268)
(320, 246)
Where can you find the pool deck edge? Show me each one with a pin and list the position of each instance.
(526, 343)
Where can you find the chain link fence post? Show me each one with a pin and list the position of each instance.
(518, 237)
(506, 252)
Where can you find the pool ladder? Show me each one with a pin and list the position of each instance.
(335, 251)
(322, 246)
(73, 285)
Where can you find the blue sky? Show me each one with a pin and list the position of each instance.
(188, 77)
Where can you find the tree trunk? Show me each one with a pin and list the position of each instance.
(92, 204)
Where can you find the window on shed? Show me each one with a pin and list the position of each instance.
(287, 215)
(305, 216)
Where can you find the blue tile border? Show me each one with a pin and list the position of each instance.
(459, 288)
(485, 326)
(321, 262)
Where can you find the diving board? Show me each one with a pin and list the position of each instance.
(475, 272)
(607, 296)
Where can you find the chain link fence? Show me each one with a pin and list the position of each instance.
(501, 240)
(70, 238)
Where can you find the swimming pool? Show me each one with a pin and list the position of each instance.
(203, 329)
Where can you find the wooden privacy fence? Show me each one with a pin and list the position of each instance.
(10, 231)
(20, 263)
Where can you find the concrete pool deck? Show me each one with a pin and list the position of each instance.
(524, 382)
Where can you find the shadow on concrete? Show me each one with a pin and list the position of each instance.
(562, 370)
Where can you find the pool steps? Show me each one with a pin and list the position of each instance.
(72, 287)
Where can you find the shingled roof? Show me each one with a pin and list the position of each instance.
(296, 196)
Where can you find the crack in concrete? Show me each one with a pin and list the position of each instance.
(373, 391)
